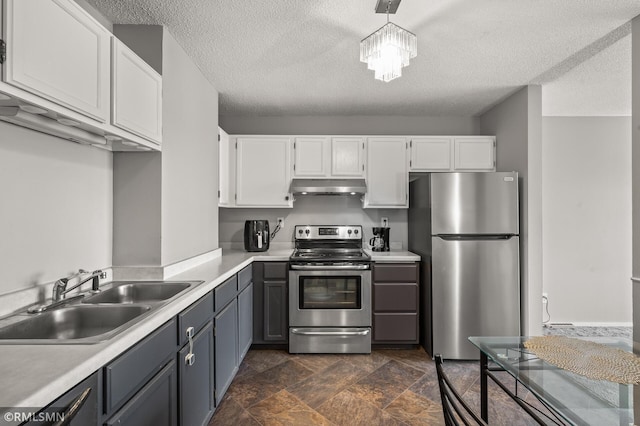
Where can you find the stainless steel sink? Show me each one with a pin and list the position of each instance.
(139, 292)
(72, 324)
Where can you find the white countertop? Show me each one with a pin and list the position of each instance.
(35, 375)
(393, 256)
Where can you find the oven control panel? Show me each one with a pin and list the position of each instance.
(328, 232)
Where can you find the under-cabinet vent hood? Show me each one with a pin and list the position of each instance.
(328, 186)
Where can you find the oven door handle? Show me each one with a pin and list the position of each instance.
(329, 267)
(301, 332)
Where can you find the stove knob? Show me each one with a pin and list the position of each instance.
(355, 231)
(349, 232)
(299, 231)
(306, 231)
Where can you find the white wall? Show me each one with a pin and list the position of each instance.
(587, 218)
(517, 124)
(189, 157)
(166, 205)
(635, 182)
(315, 210)
(56, 213)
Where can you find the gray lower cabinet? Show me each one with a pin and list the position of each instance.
(270, 303)
(196, 384)
(245, 321)
(155, 383)
(130, 372)
(395, 303)
(89, 411)
(225, 347)
(154, 405)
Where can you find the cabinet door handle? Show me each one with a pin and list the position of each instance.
(190, 358)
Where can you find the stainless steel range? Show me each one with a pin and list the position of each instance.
(329, 291)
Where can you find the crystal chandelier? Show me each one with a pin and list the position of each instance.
(389, 49)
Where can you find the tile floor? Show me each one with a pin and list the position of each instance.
(388, 387)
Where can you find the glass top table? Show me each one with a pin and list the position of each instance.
(569, 397)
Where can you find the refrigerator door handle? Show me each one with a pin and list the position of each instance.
(448, 237)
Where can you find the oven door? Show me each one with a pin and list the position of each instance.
(330, 298)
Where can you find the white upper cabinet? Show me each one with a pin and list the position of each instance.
(328, 157)
(474, 153)
(137, 94)
(452, 153)
(387, 173)
(226, 170)
(58, 51)
(263, 171)
(347, 156)
(430, 153)
(311, 157)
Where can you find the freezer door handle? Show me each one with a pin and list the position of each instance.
(477, 237)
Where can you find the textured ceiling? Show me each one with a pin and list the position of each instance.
(301, 57)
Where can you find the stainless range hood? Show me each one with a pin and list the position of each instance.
(328, 187)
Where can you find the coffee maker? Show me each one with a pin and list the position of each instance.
(380, 240)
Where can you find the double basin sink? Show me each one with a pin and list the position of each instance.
(95, 317)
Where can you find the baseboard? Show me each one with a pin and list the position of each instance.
(589, 324)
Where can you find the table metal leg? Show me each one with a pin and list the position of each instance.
(484, 397)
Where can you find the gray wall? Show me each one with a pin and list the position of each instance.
(350, 125)
(517, 124)
(165, 206)
(587, 217)
(315, 210)
(56, 210)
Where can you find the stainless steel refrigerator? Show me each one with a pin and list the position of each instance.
(465, 227)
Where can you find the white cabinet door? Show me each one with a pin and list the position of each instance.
(474, 153)
(226, 169)
(263, 174)
(57, 51)
(137, 94)
(311, 157)
(430, 153)
(387, 173)
(347, 157)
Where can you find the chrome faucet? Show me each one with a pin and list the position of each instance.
(60, 287)
(60, 290)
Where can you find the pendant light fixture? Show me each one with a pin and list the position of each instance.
(390, 48)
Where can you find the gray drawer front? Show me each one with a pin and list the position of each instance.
(245, 277)
(395, 297)
(395, 272)
(154, 405)
(226, 292)
(276, 270)
(134, 368)
(196, 316)
(395, 328)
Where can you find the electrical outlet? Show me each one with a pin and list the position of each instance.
(280, 221)
(385, 222)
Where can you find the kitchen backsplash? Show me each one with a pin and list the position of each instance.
(315, 210)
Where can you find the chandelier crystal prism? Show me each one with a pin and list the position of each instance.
(388, 50)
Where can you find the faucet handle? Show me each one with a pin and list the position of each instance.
(61, 284)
